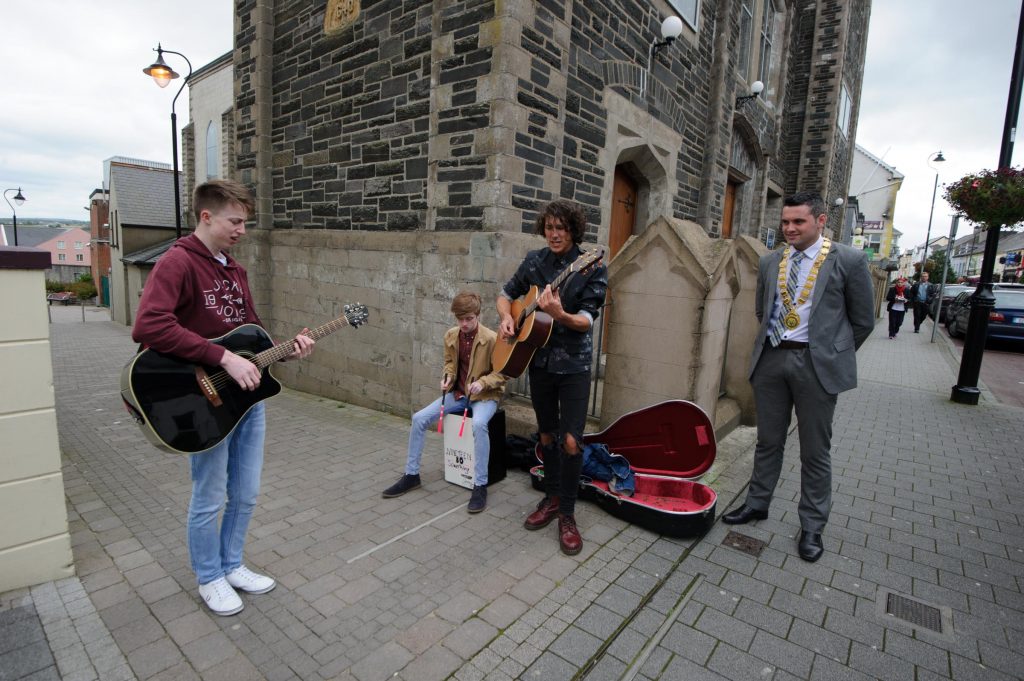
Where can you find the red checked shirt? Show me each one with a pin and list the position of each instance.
(465, 349)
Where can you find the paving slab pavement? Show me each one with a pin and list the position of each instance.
(926, 504)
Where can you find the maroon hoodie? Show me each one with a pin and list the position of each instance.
(190, 297)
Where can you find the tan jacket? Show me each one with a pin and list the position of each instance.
(479, 362)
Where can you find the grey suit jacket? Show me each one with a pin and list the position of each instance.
(842, 314)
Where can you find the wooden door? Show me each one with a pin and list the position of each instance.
(728, 208)
(624, 198)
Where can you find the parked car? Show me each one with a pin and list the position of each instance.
(63, 297)
(961, 300)
(1005, 321)
(949, 292)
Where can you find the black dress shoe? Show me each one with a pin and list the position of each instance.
(742, 515)
(809, 546)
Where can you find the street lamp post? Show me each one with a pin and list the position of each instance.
(945, 273)
(939, 158)
(983, 300)
(19, 199)
(164, 74)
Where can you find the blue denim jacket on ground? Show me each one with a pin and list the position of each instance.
(600, 464)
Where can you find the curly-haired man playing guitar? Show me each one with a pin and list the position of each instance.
(560, 371)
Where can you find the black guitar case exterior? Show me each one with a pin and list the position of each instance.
(669, 445)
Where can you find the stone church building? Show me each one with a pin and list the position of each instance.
(399, 151)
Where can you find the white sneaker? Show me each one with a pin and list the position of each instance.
(220, 597)
(244, 579)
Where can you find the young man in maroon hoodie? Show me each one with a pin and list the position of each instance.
(196, 292)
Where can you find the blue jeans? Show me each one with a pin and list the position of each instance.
(483, 411)
(230, 470)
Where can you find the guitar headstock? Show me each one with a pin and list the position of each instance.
(356, 314)
(588, 260)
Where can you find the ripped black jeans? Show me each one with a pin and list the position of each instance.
(560, 404)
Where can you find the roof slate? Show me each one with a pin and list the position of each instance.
(32, 235)
(145, 196)
(148, 256)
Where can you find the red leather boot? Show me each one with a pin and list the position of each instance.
(568, 536)
(546, 511)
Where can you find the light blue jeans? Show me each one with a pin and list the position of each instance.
(483, 412)
(230, 470)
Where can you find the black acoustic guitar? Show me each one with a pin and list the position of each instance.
(187, 408)
(511, 357)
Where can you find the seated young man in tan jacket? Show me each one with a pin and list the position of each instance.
(468, 380)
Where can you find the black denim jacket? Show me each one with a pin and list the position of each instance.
(568, 351)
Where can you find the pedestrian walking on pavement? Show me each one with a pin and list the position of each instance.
(921, 294)
(468, 381)
(198, 291)
(897, 307)
(815, 307)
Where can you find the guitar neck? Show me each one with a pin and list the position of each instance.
(555, 285)
(279, 352)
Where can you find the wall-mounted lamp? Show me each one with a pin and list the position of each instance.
(756, 88)
(838, 202)
(885, 215)
(671, 28)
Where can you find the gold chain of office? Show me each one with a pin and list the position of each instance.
(791, 319)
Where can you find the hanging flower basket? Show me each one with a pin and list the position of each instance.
(989, 198)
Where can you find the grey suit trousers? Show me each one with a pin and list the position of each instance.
(782, 380)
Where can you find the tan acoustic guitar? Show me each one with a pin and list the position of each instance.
(533, 326)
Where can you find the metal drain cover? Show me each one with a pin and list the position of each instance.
(744, 543)
(915, 612)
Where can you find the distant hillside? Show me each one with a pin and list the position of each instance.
(46, 222)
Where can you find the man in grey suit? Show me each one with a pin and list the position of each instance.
(815, 303)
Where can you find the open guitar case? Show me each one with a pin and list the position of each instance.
(668, 445)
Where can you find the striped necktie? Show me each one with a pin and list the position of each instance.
(791, 285)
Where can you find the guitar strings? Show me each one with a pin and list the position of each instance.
(222, 379)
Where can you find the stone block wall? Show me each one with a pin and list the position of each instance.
(393, 362)
(607, 41)
(465, 116)
(347, 116)
(826, 50)
(404, 156)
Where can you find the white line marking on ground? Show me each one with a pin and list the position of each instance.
(364, 554)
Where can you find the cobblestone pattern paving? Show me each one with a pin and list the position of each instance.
(415, 588)
(927, 504)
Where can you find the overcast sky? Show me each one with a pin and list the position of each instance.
(73, 92)
(937, 77)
